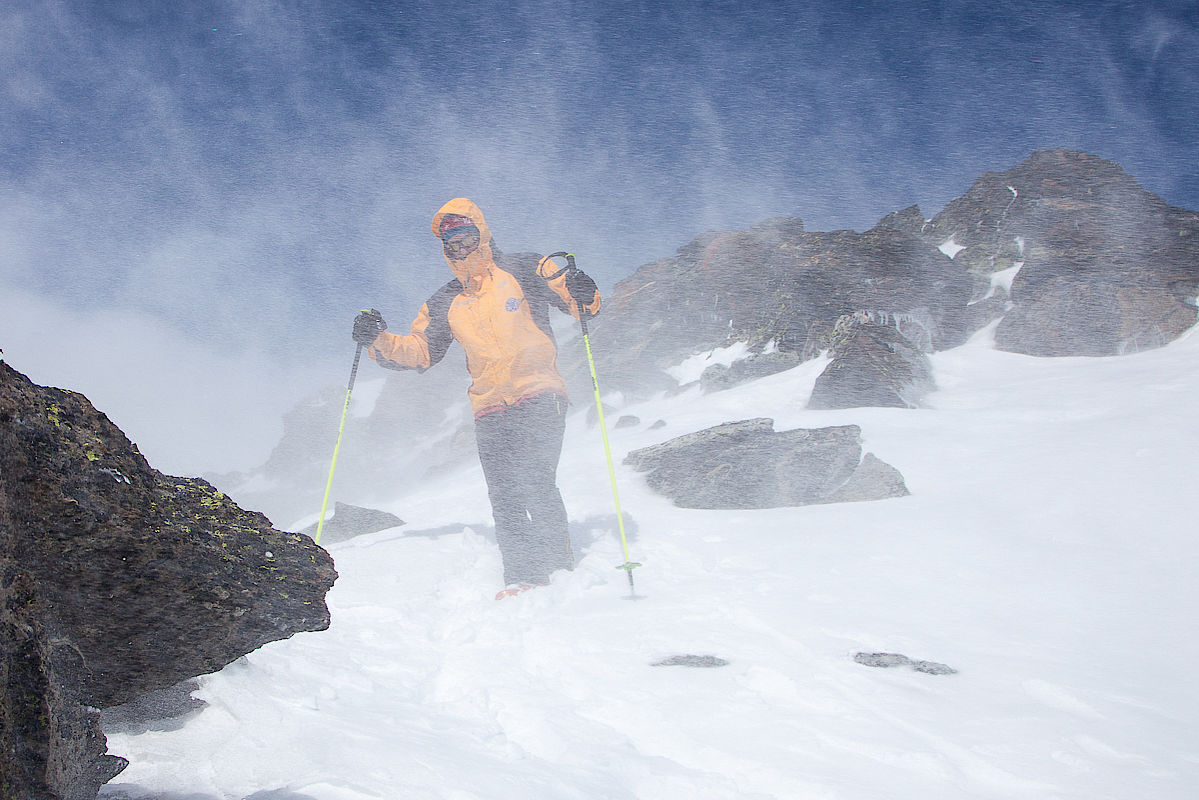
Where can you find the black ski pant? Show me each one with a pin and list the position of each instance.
(519, 448)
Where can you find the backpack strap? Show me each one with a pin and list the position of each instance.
(438, 333)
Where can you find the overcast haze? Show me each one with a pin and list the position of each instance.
(226, 183)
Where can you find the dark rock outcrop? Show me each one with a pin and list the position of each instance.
(1105, 267)
(349, 521)
(873, 365)
(116, 580)
(718, 376)
(748, 464)
(51, 747)
(775, 283)
(160, 710)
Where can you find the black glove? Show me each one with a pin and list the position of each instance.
(367, 327)
(581, 287)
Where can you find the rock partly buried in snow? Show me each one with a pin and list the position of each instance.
(719, 376)
(888, 660)
(873, 365)
(691, 660)
(748, 464)
(116, 580)
(349, 521)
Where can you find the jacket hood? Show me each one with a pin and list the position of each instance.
(470, 269)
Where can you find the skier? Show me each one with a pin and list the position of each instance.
(500, 316)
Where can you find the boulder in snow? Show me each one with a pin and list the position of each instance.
(873, 365)
(349, 521)
(116, 580)
(889, 660)
(718, 376)
(748, 464)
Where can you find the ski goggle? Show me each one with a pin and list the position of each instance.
(461, 241)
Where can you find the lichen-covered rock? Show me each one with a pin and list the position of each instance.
(748, 464)
(122, 580)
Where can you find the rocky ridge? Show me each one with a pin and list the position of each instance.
(1096, 265)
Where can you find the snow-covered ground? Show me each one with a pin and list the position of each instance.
(1046, 552)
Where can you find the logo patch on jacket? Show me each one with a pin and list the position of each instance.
(512, 304)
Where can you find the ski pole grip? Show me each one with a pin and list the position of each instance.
(570, 263)
(570, 268)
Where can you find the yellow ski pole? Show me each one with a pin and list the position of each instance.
(629, 565)
(320, 526)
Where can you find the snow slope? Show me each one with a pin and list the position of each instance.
(1046, 553)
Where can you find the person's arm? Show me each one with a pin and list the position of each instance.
(427, 341)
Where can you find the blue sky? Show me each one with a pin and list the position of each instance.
(249, 173)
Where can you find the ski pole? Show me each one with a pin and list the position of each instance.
(320, 526)
(628, 566)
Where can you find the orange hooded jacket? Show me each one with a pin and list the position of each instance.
(499, 317)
